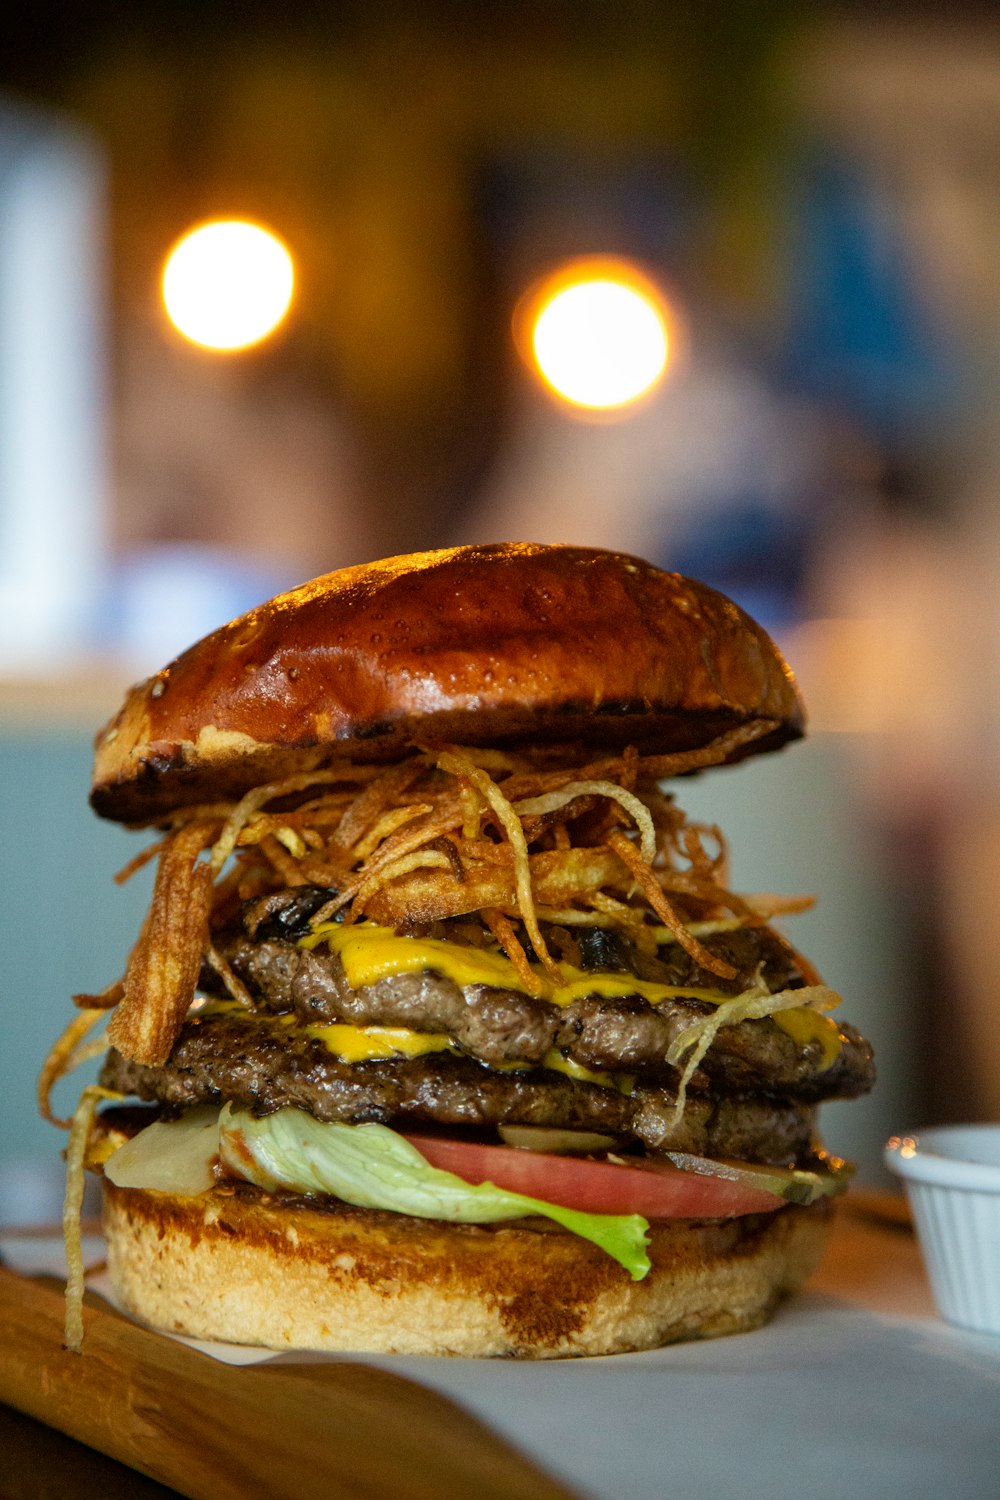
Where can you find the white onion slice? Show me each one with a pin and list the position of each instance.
(175, 1156)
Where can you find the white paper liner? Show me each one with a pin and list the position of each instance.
(825, 1401)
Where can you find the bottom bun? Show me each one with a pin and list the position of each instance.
(250, 1268)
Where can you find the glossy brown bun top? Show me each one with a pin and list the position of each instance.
(499, 645)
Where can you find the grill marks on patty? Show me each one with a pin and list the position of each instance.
(499, 1027)
(261, 1067)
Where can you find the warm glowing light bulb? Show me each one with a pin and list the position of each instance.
(599, 335)
(228, 284)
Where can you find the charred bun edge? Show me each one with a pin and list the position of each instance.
(241, 1267)
(505, 645)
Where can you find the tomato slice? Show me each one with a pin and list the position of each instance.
(657, 1190)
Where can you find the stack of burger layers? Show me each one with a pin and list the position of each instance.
(445, 1032)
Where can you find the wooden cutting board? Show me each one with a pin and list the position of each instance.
(218, 1432)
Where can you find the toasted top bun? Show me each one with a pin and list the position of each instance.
(501, 645)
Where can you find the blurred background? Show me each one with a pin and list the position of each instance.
(719, 285)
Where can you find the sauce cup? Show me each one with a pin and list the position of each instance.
(952, 1179)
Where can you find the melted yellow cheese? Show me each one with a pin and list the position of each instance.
(353, 1044)
(623, 1082)
(366, 1043)
(370, 953)
(804, 1026)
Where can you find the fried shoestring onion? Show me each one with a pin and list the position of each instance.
(766, 904)
(369, 805)
(235, 987)
(694, 1041)
(257, 798)
(105, 999)
(716, 753)
(459, 764)
(387, 824)
(651, 889)
(503, 931)
(164, 965)
(420, 859)
(66, 1054)
(407, 840)
(288, 867)
(76, 1152)
(139, 860)
(636, 809)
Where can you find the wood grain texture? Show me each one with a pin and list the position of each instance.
(332, 1429)
(873, 1261)
(38, 1463)
(215, 1432)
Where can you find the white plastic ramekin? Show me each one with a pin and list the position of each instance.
(952, 1178)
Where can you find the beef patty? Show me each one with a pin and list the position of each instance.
(266, 1066)
(753, 1096)
(501, 1026)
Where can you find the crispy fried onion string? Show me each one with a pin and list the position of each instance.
(67, 1053)
(256, 799)
(106, 999)
(387, 824)
(694, 1041)
(419, 859)
(507, 938)
(452, 831)
(568, 916)
(636, 809)
(461, 765)
(235, 987)
(140, 860)
(288, 867)
(557, 877)
(368, 806)
(717, 753)
(165, 963)
(406, 840)
(651, 889)
(766, 904)
(76, 1153)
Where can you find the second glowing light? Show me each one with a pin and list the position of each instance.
(598, 332)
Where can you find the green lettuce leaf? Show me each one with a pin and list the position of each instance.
(371, 1166)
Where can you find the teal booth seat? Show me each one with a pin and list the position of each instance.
(64, 927)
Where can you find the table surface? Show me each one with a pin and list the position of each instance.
(870, 1290)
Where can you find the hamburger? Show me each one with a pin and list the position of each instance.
(444, 1032)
